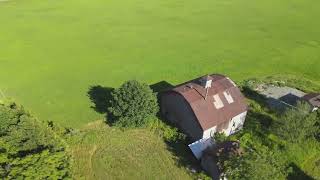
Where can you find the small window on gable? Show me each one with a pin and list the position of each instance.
(217, 102)
(228, 96)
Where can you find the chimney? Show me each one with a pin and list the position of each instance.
(206, 82)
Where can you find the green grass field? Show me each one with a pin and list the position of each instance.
(101, 152)
(52, 51)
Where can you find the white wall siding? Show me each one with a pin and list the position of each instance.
(235, 124)
(209, 132)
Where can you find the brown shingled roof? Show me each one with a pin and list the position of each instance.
(313, 99)
(204, 109)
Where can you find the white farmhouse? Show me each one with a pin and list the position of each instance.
(203, 106)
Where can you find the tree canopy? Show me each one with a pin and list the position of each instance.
(28, 148)
(132, 104)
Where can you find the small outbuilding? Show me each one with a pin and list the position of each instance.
(313, 99)
(205, 105)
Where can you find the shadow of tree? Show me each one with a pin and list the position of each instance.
(100, 96)
(298, 174)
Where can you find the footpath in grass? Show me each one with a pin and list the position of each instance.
(102, 152)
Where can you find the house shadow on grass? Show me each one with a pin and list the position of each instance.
(185, 157)
(179, 148)
(161, 86)
(100, 96)
(255, 96)
(254, 118)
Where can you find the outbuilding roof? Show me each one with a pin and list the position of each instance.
(216, 105)
(313, 99)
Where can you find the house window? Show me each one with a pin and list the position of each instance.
(217, 102)
(228, 96)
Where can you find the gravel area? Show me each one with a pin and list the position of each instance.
(279, 92)
(281, 97)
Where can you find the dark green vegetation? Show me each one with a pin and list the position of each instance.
(255, 164)
(31, 149)
(28, 148)
(52, 51)
(132, 105)
(220, 137)
(276, 145)
(297, 125)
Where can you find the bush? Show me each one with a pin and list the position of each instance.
(28, 148)
(257, 164)
(219, 137)
(297, 124)
(132, 104)
(168, 133)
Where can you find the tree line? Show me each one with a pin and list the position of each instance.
(29, 148)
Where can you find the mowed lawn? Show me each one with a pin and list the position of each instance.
(52, 51)
(101, 152)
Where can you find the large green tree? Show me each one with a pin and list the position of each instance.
(28, 148)
(132, 104)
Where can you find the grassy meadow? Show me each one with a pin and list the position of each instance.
(101, 152)
(51, 52)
